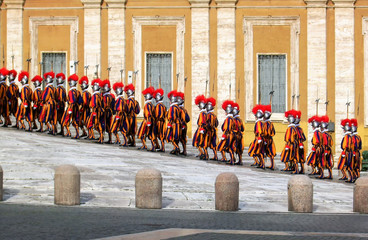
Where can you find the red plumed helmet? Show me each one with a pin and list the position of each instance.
(129, 87)
(61, 75)
(345, 122)
(267, 108)
(73, 77)
(106, 82)
(22, 74)
(97, 81)
(325, 119)
(117, 85)
(199, 99)
(257, 108)
(236, 105)
(13, 72)
(291, 112)
(51, 74)
(298, 114)
(211, 100)
(4, 72)
(83, 79)
(149, 90)
(37, 78)
(311, 119)
(354, 122)
(227, 103)
(173, 93)
(181, 95)
(158, 91)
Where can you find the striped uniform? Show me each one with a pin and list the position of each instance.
(37, 100)
(314, 157)
(132, 110)
(60, 99)
(256, 147)
(327, 158)
(300, 153)
(25, 108)
(198, 137)
(356, 148)
(227, 136)
(48, 113)
(184, 120)
(72, 113)
(173, 125)
(4, 106)
(160, 118)
(119, 123)
(13, 95)
(146, 128)
(289, 151)
(85, 110)
(268, 133)
(211, 131)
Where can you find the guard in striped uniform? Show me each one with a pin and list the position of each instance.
(172, 134)
(37, 99)
(108, 105)
(268, 133)
(95, 119)
(72, 113)
(256, 149)
(25, 107)
(184, 120)
(133, 110)
(211, 128)
(12, 95)
(146, 128)
(327, 157)
(49, 112)
(61, 101)
(299, 151)
(238, 134)
(200, 133)
(4, 105)
(345, 162)
(289, 151)
(227, 133)
(119, 123)
(160, 118)
(315, 156)
(85, 111)
(356, 147)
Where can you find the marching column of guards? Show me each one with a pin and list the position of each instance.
(103, 112)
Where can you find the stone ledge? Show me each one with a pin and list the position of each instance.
(226, 3)
(199, 3)
(115, 3)
(344, 3)
(91, 3)
(316, 3)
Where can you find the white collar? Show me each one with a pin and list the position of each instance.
(355, 133)
(259, 120)
(25, 85)
(130, 97)
(37, 87)
(12, 82)
(160, 101)
(267, 120)
(316, 129)
(108, 93)
(49, 84)
(147, 101)
(346, 133)
(291, 125)
(229, 115)
(297, 125)
(210, 111)
(95, 92)
(181, 105)
(236, 116)
(120, 96)
(60, 85)
(85, 90)
(2, 81)
(202, 110)
(73, 88)
(172, 104)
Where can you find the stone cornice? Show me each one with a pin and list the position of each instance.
(226, 3)
(116, 3)
(316, 3)
(14, 4)
(344, 3)
(92, 3)
(199, 3)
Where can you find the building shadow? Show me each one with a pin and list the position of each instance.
(86, 197)
(9, 193)
(166, 201)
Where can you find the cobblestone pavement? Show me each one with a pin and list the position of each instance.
(55, 222)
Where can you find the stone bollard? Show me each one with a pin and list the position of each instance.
(300, 194)
(227, 192)
(67, 185)
(1, 184)
(360, 203)
(148, 189)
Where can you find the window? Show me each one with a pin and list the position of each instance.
(272, 77)
(159, 72)
(55, 62)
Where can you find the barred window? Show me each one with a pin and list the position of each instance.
(55, 62)
(272, 77)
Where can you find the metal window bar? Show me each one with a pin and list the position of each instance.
(55, 59)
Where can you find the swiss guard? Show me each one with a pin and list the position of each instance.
(4, 105)
(238, 133)
(96, 103)
(327, 156)
(25, 107)
(268, 133)
(315, 156)
(37, 99)
(12, 95)
(72, 113)
(133, 110)
(256, 147)
(227, 133)
(119, 122)
(184, 120)
(356, 147)
(49, 112)
(173, 123)
(146, 128)
(160, 117)
(299, 151)
(85, 111)
(345, 162)
(108, 105)
(288, 153)
(211, 128)
(199, 134)
(60, 100)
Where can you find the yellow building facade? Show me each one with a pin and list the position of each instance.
(229, 49)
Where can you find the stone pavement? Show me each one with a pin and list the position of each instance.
(108, 173)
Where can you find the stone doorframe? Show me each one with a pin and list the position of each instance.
(137, 23)
(35, 22)
(248, 23)
(365, 53)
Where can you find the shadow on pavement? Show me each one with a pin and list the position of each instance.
(86, 197)
(9, 193)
